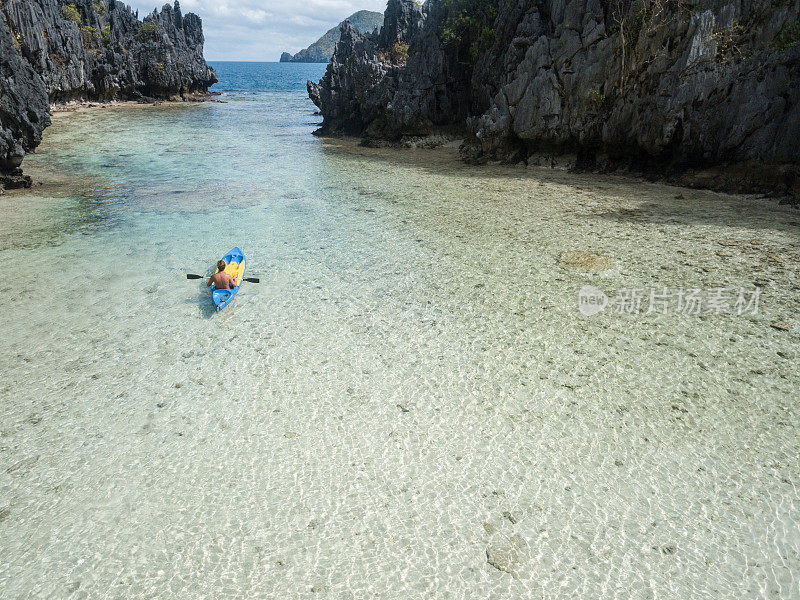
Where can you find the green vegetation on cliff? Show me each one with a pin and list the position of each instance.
(469, 27)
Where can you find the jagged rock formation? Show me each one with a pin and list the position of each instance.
(377, 86)
(98, 49)
(321, 51)
(54, 51)
(24, 110)
(666, 86)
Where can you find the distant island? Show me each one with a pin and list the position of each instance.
(321, 51)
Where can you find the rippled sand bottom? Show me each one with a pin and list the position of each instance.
(409, 404)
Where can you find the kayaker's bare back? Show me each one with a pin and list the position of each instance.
(221, 280)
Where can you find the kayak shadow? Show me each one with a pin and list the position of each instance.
(204, 303)
(207, 309)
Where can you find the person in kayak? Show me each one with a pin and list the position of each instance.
(221, 279)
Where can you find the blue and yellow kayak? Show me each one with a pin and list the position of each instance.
(236, 267)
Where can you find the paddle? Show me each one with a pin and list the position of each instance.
(248, 279)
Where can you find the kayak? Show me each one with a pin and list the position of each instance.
(236, 266)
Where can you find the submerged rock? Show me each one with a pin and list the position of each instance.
(507, 555)
(586, 262)
(21, 467)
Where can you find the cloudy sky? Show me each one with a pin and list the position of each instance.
(262, 29)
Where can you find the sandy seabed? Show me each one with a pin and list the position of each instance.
(410, 404)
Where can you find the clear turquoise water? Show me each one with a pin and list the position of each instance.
(409, 404)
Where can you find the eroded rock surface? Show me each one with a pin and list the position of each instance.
(707, 92)
(24, 110)
(89, 50)
(400, 82)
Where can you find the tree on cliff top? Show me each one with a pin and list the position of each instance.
(469, 27)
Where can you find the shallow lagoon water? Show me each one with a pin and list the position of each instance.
(409, 404)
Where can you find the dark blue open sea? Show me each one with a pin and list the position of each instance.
(241, 77)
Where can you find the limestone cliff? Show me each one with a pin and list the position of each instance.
(57, 51)
(709, 88)
(24, 110)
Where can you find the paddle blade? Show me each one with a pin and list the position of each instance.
(252, 279)
(193, 276)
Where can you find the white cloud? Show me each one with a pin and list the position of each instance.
(262, 29)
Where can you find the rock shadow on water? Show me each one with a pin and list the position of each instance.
(655, 202)
(702, 208)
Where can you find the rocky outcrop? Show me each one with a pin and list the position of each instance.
(400, 82)
(24, 110)
(708, 91)
(321, 51)
(56, 51)
(98, 49)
